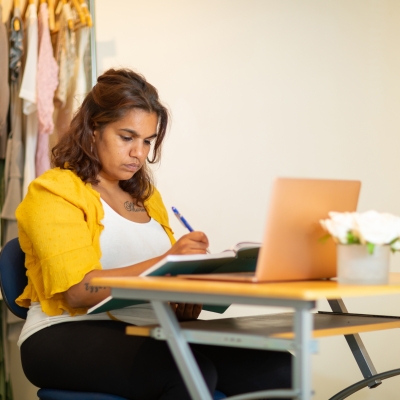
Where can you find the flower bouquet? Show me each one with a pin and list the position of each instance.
(369, 228)
(364, 241)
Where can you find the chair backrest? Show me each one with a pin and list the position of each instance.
(13, 277)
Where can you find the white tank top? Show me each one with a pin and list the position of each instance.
(122, 243)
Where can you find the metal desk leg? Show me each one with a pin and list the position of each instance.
(357, 347)
(181, 351)
(303, 325)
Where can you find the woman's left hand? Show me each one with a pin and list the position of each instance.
(185, 311)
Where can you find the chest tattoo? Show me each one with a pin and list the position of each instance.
(129, 206)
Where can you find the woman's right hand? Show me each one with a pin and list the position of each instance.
(191, 243)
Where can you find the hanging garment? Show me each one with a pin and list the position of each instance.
(47, 81)
(11, 183)
(28, 94)
(81, 87)
(4, 86)
(14, 153)
(5, 384)
(66, 57)
(77, 85)
(13, 167)
(16, 46)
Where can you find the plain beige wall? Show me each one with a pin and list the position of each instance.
(265, 88)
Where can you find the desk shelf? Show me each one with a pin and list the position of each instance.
(272, 331)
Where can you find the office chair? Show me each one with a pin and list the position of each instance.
(12, 282)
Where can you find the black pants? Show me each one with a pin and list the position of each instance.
(98, 356)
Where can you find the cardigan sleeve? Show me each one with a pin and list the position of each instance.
(156, 209)
(59, 233)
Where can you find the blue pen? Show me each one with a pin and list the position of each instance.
(182, 220)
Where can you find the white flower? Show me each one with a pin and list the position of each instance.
(368, 227)
(396, 245)
(338, 225)
(376, 228)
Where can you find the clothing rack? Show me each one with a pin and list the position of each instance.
(82, 7)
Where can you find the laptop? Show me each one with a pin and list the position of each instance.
(292, 248)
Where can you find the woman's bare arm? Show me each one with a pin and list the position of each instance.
(83, 294)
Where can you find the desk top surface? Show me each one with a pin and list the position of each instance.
(301, 290)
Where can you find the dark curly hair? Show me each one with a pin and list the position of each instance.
(117, 92)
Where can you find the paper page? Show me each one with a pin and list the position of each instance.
(245, 245)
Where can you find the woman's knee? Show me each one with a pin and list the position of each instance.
(208, 370)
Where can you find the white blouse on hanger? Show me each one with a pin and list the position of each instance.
(28, 94)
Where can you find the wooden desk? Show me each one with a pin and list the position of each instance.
(300, 296)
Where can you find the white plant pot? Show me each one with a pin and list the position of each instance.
(357, 267)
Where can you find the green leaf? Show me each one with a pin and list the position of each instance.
(324, 238)
(371, 248)
(352, 239)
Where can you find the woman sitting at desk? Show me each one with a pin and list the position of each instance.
(97, 213)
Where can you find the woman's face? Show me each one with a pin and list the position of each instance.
(123, 145)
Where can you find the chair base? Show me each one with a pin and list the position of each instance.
(55, 394)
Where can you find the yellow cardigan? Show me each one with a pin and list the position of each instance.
(59, 227)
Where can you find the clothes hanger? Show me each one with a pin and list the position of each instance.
(27, 4)
(17, 24)
(86, 11)
(70, 19)
(57, 12)
(50, 10)
(81, 14)
(52, 20)
(58, 7)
